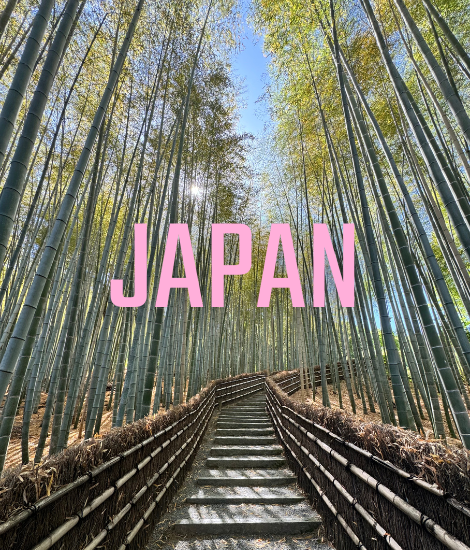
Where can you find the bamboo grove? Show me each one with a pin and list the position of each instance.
(116, 113)
(370, 105)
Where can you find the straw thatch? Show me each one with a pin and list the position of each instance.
(23, 486)
(447, 467)
(338, 443)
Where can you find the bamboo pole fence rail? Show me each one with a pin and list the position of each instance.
(365, 501)
(118, 503)
(291, 383)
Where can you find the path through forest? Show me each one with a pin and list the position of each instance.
(240, 493)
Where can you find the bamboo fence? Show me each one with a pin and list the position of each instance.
(365, 501)
(117, 504)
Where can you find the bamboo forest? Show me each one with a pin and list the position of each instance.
(116, 113)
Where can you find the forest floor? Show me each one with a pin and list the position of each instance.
(369, 416)
(14, 454)
(76, 435)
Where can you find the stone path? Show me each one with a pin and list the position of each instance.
(240, 490)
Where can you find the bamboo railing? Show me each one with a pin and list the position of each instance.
(291, 383)
(116, 504)
(365, 501)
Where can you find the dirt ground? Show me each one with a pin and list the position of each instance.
(14, 449)
(370, 416)
(76, 435)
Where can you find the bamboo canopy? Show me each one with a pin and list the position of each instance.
(119, 113)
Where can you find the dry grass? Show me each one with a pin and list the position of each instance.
(446, 466)
(22, 486)
(368, 416)
(13, 457)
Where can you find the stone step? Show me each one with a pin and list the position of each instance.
(251, 420)
(244, 431)
(245, 495)
(235, 414)
(261, 397)
(246, 478)
(245, 417)
(245, 488)
(237, 450)
(245, 409)
(238, 414)
(251, 527)
(242, 404)
(252, 397)
(233, 410)
(244, 440)
(245, 462)
(250, 424)
(254, 414)
(248, 520)
(245, 405)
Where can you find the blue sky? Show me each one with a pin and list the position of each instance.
(251, 66)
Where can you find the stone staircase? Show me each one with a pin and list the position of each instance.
(246, 488)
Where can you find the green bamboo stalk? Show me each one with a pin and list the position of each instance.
(13, 188)
(25, 319)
